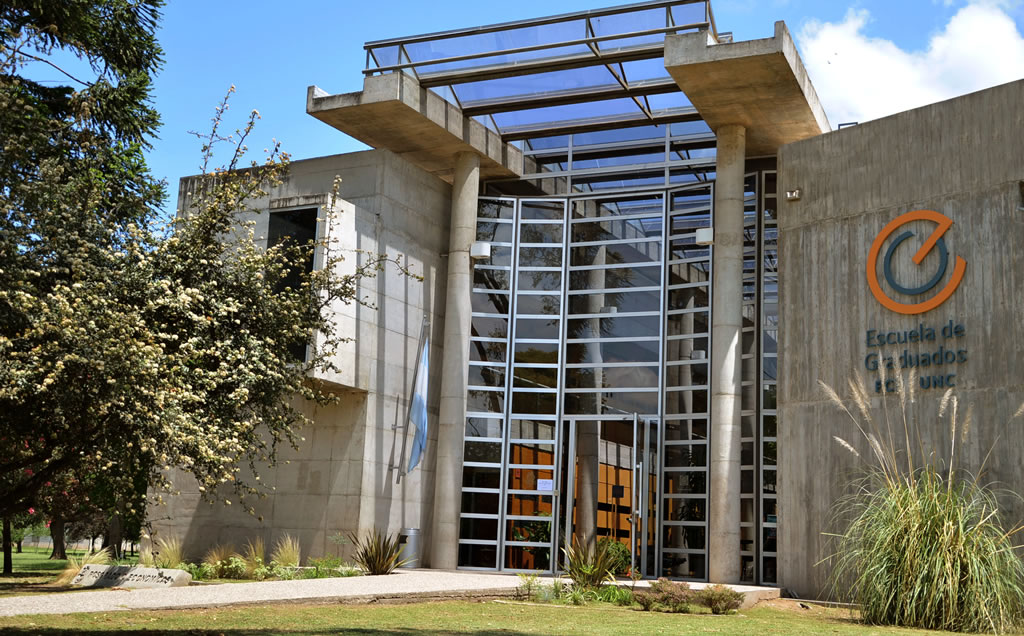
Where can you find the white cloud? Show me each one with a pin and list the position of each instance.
(859, 78)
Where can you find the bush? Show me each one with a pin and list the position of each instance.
(615, 594)
(255, 557)
(588, 565)
(377, 553)
(619, 556)
(924, 546)
(646, 599)
(720, 599)
(665, 595)
(200, 571)
(528, 584)
(219, 557)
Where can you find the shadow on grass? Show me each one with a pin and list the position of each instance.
(254, 632)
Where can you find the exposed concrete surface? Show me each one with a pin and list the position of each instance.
(759, 84)
(726, 351)
(392, 112)
(964, 159)
(455, 366)
(409, 585)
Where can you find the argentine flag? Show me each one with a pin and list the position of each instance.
(418, 410)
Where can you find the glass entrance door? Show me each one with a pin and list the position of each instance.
(609, 487)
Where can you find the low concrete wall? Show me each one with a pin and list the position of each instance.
(964, 159)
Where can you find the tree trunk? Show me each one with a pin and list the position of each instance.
(114, 536)
(57, 533)
(8, 558)
(18, 550)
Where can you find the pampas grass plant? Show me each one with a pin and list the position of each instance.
(255, 555)
(287, 552)
(924, 546)
(170, 553)
(76, 563)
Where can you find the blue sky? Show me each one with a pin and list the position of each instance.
(867, 58)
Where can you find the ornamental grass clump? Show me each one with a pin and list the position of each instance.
(377, 553)
(924, 546)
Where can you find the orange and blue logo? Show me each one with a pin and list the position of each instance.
(935, 240)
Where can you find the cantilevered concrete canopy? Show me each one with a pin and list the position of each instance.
(394, 112)
(759, 84)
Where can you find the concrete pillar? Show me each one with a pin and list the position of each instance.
(726, 351)
(457, 324)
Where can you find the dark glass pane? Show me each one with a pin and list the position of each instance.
(598, 279)
(770, 454)
(542, 210)
(686, 402)
(540, 256)
(291, 229)
(615, 302)
(480, 502)
(686, 456)
(529, 505)
(769, 397)
(685, 374)
(487, 351)
(501, 256)
(534, 378)
(684, 537)
(685, 509)
(686, 430)
(536, 353)
(539, 281)
(534, 453)
(495, 209)
(614, 377)
(494, 232)
(481, 529)
(769, 482)
(686, 248)
(538, 328)
(488, 327)
(769, 510)
(478, 477)
(618, 351)
(649, 252)
(485, 303)
(526, 558)
(478, 556)
(491, 278)
(540, 233)
(485, 401)
(611, 326)
(683, 566)
(482, 452)
(686, 483)
(771, 426)
(769, 570)
(538, 305)
(538, 403)
(531, 479)
(614, 230)
(483, 427)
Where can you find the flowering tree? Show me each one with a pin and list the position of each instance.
(128, 347)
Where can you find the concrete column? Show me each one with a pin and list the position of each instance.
(726, 351)
(457, 325)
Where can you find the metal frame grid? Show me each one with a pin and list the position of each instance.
(769, 263)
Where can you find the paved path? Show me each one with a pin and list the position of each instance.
(404, 584)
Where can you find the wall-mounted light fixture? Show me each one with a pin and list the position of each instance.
(705, 236)
(479, 250)
(793, 195)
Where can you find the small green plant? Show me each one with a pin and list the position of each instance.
(219, 557)
(720, 599)
(233, 568)
(579, 596)
(76, 563)
(377, 553)
(287, 552)
(616, 595)
(588, 564)
(326, 566)
(554, 592)
(646, 599)
(619, 556)
(528, 584)
(200, 571)
(169, 553)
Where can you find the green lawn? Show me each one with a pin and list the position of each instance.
(455, 617)
(33, 573)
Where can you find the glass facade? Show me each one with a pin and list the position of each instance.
(588, 407)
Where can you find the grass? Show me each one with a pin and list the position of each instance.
(453, 617)
(34, 573)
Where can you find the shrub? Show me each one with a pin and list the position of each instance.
(233, 568)
(287, 552)
(528, 584)
(674, 596)
(325, 566)
(924, 546)
(200, 571)
(720, 599)
(646, 599)
(377, 553)
(76, 563)
(619, 556)
(589, 564)
(169, 553)
(579, 595)
(218, 557)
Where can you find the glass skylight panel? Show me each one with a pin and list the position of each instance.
(621, 134)
(566, 112)
(694, 13)
(668, 100)
(645, 69)
(587, 77)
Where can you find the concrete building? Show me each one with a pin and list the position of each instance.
(642, 247)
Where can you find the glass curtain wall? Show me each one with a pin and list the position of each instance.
(590, 310)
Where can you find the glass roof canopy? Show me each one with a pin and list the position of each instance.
(557, 82)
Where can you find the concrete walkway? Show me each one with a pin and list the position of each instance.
(403, 585)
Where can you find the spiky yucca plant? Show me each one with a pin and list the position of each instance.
(589, 564)
(376, 552)
(925, 546)
(76, 563)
